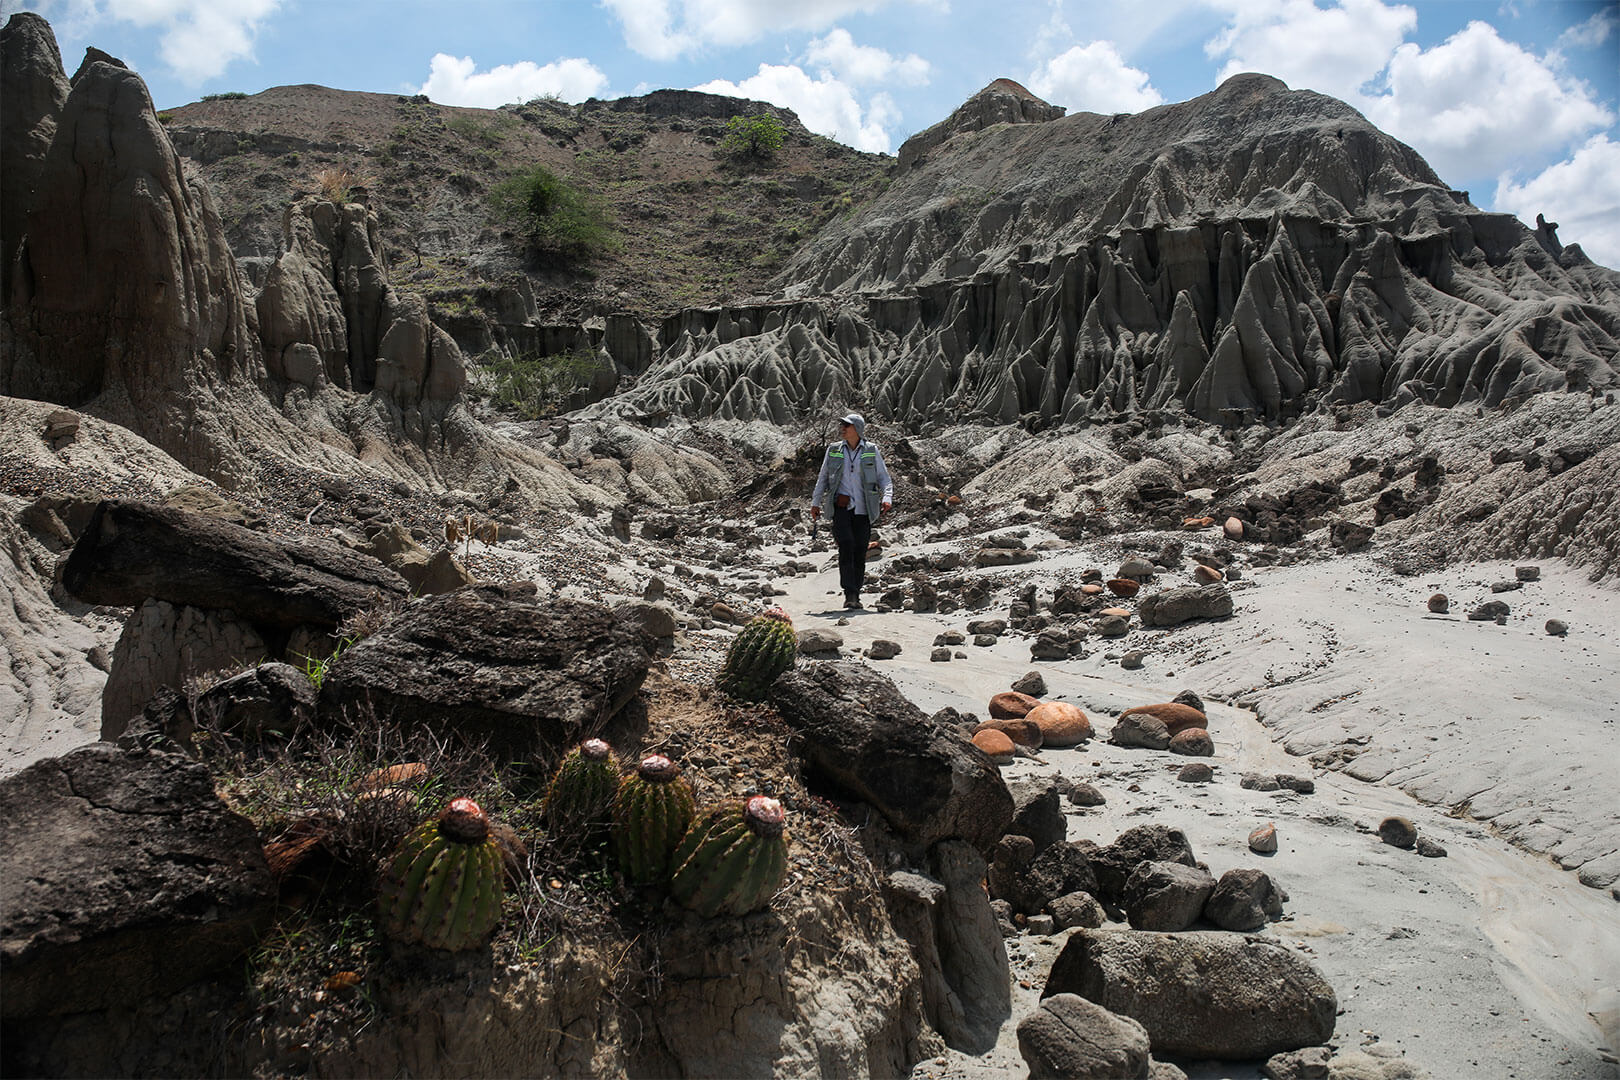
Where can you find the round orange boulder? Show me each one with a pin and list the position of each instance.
(1123, 587)
(996, 744)
(1024, 732)
(1207, 575)
(1010, 705)
(1176, 716)
(1091, 588)
(1061, 724)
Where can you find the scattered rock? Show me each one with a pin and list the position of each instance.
(985, 641)
(1061, 724)
(1429, 849)
(1349, 537)
(1193, 742)
(1177, 717)
(495, 662)
(1140, 729)
(1397, 832)
(125, 878)
(1376, 1062)
(1233, 528)
(1527, 573)
(996, 744)
(992, 627)
(1086, 795)
(1124, 588)
(1022, 731)
(1489, 611)
(1132, 660)
(1207, 575)
(864, 740)
(1189, 698)
(939, 656)
(1115, 863)
(1263, 841)
(882, 649)
(1438, 604)
(1557, 627)
(1202, 994)
(1244, 899)
(1077, 909)
(1069, 1038)
(1259, 782)
(1040, 925)
(1038, 813)
(1166, 896)
(1011, 705)
(1175, 606)
(1195, 772)
(820, 643)
(1061, 869)
(1135, 568)
(1301, 785)
(1113, 626)
(950, 637)
(1031, 683)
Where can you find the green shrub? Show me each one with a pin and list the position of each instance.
(756, 137)
(559, 221)
(229, 95)
(535, 387)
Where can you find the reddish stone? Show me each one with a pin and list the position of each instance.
(1177, 717)
(996, 745)
(1061, 724)
(1193, 742)
(1011, 705)
(1024, 732)
(1124, 588)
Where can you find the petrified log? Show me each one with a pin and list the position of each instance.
(132, 551)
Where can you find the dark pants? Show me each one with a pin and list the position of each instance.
(852, 533)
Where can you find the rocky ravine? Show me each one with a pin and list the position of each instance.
(324, 406)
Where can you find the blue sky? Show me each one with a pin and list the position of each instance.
(1518, 102)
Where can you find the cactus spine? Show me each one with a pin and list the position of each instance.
(443, 887)
(733, 859)
(581, 793)
(650, 815)
(765, 648)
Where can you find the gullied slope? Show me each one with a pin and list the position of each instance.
(1244, 255)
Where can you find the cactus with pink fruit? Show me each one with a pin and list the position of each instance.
(651, 812)
(733, 858)
(443, 885)
(765, 648)
(580, 797)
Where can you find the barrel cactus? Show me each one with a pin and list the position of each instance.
(651, 811)
(763, 650)
(581, 793)
(443, 886)
(733, 859)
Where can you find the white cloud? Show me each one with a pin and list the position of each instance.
(854, 63)
(1473, 105)
(824, 104)
(199, 38)
(666, 29)
(453, 81)
(1476, 103)
(1592, 32)
(1582, 195)
(1332, 50)
(1094, 78)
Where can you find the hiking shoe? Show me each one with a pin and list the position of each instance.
(852, 600)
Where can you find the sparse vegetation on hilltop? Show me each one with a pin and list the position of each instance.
(561, 223)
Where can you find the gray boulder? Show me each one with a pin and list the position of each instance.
(494, 662)
(1058, 871)
(1115, 863)
(1175, 606)
(1201, 994)
(1069, 1038)
(1243, 900)
(820, 644)
(1038, 812)
(1166, 896)
(1077, 909)
(122, 878)
(864, 740)
(1140, 729)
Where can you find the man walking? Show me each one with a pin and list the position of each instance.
(854, 487)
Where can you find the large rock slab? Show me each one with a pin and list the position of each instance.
(1175, 606)
(134, 551)
(862, 739)
(1202, 994)
(162, 646)
(122, 877)
(1070, 1038)
(495, 662)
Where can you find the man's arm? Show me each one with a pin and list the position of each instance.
(884, 479)
(821, 489)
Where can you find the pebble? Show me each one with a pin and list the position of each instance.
(1195, 772)
(1557, 627)
(1132, 660)
(1257, 782)
(1429, 849)
(1041, 925)
(1438, 603)
(940, 655)
(1032, 683)
(1263, 840)
(1527, 573)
